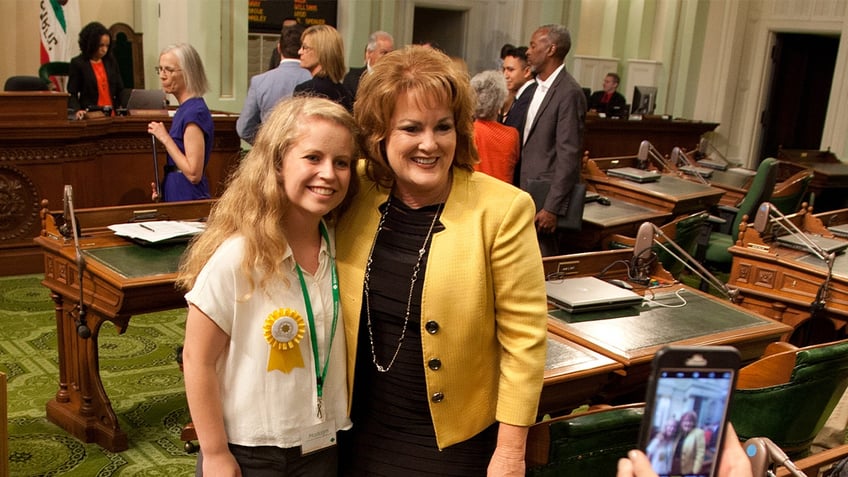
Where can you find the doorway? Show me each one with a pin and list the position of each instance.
(802, 74)
(442, 28)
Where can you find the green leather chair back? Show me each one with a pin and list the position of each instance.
(759, 192)
(53, 68)
(716, 253)
(589, 444)
(791, 414)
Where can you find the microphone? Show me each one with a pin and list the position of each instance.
(642, 156)
(646, 151)
(646, 237)
(640, 263)
(677, 157)
(702, 147)
(761, 222)
(762, 453)
(83, 330)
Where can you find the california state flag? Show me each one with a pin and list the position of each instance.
(60, 26)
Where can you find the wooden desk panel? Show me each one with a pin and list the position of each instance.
(620, 217)
(108, 161)
(617, 137)
(672, 194)
(574, 375)
(81, 405)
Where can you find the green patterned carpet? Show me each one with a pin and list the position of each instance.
(139, 374)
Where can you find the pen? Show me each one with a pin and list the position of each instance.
(147, 228)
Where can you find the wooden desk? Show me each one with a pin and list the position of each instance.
(574, 374)
(631, 336)
(617, 137)
(782, 282)
(108, 161)
(620, 217)
(672, 194)
(121, 279)
(830, 176)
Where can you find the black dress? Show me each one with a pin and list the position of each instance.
(392, 430)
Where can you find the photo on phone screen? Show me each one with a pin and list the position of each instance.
(686, 411)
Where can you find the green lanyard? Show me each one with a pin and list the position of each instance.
(320, 374)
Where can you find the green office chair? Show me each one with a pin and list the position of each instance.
(789, 394)
(684, 231)
(762, 187)
(59, 69)
(583, 444)
(790, 193)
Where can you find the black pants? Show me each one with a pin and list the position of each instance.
(270, 461)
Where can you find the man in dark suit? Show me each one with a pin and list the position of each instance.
(379, 44)
(608, 101)
(553, 130)
(521, 86)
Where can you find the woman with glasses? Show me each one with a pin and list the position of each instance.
(94, 81)
(322, 53)
(189, 142)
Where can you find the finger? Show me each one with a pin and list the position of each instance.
(625, 468)
(641, 464)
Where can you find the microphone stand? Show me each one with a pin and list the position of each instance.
(647, 150)
(156, 170)
(83, 330)
(762, 453)
(768, 213)
(648, 229)
(679, 158)
(706, 152)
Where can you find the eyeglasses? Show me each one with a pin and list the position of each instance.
(306, 47)
(165, 69)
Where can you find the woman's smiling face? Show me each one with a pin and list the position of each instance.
(420, 147)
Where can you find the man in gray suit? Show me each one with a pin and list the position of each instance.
(553, 131)
(267, 89)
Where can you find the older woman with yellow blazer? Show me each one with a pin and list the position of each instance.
(442, 286)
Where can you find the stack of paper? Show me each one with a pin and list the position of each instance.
(158, 230)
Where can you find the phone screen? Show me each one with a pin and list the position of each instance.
(689, 409)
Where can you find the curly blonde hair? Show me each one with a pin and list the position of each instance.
(254, 202)
(432, 78)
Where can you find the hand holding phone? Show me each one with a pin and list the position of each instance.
(687, 407)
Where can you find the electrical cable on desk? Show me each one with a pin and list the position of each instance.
(617, 262)
(651, 301)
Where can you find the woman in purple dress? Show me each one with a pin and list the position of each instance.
(189, 141)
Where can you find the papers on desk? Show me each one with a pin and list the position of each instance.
(159, 231)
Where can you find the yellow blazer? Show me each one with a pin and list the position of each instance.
(484, 287)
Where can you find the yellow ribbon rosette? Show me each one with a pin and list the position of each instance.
(284, 329)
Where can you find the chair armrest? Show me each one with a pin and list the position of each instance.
(716, 220)
(811, 464)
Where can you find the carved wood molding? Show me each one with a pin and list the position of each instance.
(18, 203)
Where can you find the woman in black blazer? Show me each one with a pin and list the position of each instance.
(94, 81)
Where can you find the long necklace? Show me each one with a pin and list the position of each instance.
(415, 269)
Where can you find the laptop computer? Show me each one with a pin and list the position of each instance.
(149, 99)
(839, 230)
(635, 175)
(713, 164)
(829, 245)
(696, 171)
(582, 294)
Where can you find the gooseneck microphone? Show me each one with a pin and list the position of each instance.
(83, 330)
(763, 453)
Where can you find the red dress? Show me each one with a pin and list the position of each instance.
(499, 149)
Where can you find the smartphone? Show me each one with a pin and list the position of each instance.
(686, 409)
